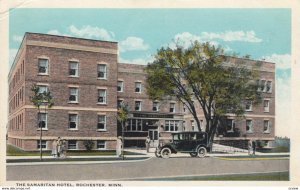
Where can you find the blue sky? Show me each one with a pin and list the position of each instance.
(261, 33)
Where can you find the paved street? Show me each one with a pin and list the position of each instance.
(151, 168)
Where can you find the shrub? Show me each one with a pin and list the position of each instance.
(89, 144)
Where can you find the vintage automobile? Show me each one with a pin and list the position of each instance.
(194, 143)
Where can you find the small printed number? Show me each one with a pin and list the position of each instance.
(293, 188)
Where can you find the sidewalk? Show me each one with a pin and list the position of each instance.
(143, 156)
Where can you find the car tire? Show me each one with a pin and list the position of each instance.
(165, 152)
(193, 154)
(201, 152)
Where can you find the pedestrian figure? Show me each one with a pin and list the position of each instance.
(147, 143)
(119, 147)
(64, 149)
(253, 147)
(59, 143)
(54, 149)
(249, 147)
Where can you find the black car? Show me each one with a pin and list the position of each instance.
(194, 143)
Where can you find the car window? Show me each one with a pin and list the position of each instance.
(193, 137)
(176, 137)
(200, 136)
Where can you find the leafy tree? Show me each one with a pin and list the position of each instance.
(200, 74)
(89, 144)
(123, 112)
(41, 99)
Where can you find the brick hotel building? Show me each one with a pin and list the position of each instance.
(87, 83)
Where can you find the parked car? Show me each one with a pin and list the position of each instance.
(194, 143)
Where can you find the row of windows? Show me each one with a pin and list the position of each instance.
(16, 123)
(230, 125)
(73, 144)
(137, 87)
(17, 77)
(264, 86)
(16, 101)
(73, 123)
(43, 69)
(266, 105)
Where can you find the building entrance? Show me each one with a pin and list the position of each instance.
(153, 134)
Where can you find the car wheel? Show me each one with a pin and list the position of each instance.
(193, 154)
(165, 152)
(201, 152)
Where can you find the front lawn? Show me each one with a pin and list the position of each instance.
(14, 151)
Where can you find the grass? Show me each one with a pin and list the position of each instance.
(274, 150)
(276, 176)
(14, 151)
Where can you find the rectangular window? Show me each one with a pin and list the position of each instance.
(73, 121)
(101, 126)
(102, 96)
(73, 68)
(138, 87)
(193, 125)
(263, 85)
(43, 89)
(172, 107)
(266, 105)
(171, 125)
(155, 106)
(269, 86)
(120, 86)
(44, 144)
(266, 126)
(101, 144)
(102, 71)
(249, 126)
(119, 103)
(248, 105)
(73, 95)
(42, 117)
(230, 125)
(43, 66)
(138, 106)
(72, 144)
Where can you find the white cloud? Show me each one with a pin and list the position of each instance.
(228, 36)
(91, 32)
(17, 38)
(282, 61)
(54, 32)
(133, 43)
(12, 55)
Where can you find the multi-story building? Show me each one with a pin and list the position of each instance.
(88, 83)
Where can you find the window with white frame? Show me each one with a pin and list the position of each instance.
(119, 103)
(72, 145)
(102, 96)
(171, 125)
(42, 117)
(73, 94)
(73, 69)
(138, 87)
(269, 86)
(155, 106)
(73, 121)
(193, 125)
(249, 126)
(101, 144)
(102, 71)
(266, 126)
(172, 107)
(42, 89)
(229, 125)
(135, 125)
(44, 144)
(101, 126)
(43, 66)
(248, 105)
(263, 85)
(138, 106)
(266, 105)
(120, 86)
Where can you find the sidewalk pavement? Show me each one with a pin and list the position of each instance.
(143, 155)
